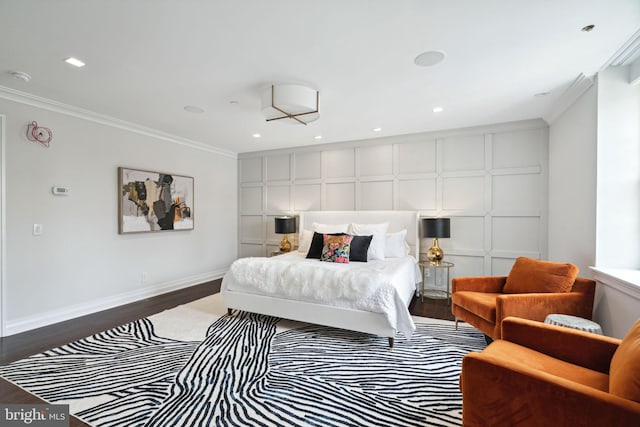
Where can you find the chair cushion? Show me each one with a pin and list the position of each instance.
(524, 356)
(531, 275)
(482, 304)
(624, 374)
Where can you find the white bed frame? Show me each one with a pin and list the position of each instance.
(355, 320)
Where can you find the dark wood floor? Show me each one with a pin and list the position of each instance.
(434, 308)
(19, 346)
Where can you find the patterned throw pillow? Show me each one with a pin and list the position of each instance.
(336, 248)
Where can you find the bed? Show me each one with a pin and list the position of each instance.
(242, 291)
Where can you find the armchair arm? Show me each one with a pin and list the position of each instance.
(576, 347)
(536, 306)
(499, 392)
(478, 284)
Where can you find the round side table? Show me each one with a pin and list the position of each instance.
(573, 322)
(440, 285)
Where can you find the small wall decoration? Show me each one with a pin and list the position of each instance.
(39, 134)
(154, 201)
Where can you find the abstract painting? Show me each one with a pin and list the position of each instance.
(154, 201)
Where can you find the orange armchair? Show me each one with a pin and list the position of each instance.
(532, 290)
(547, 375)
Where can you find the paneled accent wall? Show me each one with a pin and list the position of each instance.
(491, 182)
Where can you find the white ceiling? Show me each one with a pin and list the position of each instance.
(147, 59)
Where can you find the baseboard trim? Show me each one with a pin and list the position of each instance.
(28, 323)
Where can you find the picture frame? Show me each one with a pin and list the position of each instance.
(150, 201)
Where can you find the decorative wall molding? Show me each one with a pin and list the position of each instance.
(69, 110)
(491, 180)
(408, 138)
(575, 90)
(85, 308)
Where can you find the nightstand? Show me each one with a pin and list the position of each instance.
(278, 252)
(439, 283)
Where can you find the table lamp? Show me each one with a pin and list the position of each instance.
(285, 225)
(435, 228)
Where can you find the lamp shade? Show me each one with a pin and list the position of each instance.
(285, 225)
(293, 104)
(436, 227)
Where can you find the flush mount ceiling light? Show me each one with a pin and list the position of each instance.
(429, 58)
(438, 109)
(74, 61)
(294, 104)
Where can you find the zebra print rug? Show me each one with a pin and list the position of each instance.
(194, 366)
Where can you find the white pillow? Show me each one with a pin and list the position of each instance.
(329, 228)
(396, 245)
(304, 241)
(376, 248)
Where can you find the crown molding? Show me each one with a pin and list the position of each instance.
(575, 90)
(69, 110)
(628, 53)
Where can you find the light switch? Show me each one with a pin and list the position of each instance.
(37, 229)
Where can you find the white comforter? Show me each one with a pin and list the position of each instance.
(375, 286)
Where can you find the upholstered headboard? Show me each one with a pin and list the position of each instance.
(398, 220)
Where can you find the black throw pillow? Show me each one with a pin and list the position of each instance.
(359, 248)
(317, 243)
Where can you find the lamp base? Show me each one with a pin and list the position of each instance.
(435, 254)
(285, 245)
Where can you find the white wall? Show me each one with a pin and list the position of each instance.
(594, 191)
(572, 184)
(618, 224)
(617, 305)
(81, 264)
(491, 181)
(618, 208)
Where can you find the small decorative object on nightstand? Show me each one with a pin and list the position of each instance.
(440, 286)
(285, 225)
(436, 228)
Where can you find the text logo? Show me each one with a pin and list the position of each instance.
(34, 415)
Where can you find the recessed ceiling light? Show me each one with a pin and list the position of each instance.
(376, 129)
(256, 135)
(74, 61)
(19, 75)
(193, 109)
(429, 58)
(233, 102)
(588, 28)
(317, 137)
(438, 109)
